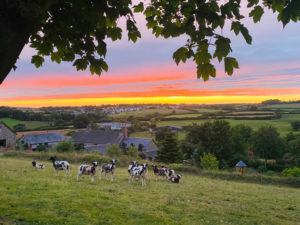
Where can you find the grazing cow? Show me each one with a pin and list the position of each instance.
(108, 168)
(132, 164)
(87, 170)
(37, 165)
(139, 171)
(169, 173)
(175, 179)
(160, 171)
(60, 165)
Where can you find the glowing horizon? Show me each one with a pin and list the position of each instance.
(145, 73)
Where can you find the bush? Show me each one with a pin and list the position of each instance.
(209, 161)
(262, 169)
(295, 172)
(295, 125)
(133, 151)
(64, 146)
(176, 166)
(41, 148)
(113, 151)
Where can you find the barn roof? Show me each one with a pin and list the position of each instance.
(98, 137)
(42, 138)
(147, 143)
(241, 164)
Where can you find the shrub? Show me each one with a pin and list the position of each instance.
(132, 151)
(295, 172)
(64, 146)
(295, 125)
(70, 133)
(113, 151)
(41, 147)
(262, 169)
(176, 166)
(209, 161)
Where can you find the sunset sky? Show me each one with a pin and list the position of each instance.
(145, 73)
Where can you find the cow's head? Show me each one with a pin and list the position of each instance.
(154, 166)
(52, 158)
(113, 161)
(33, 163)
(95, 164)
(134, 163)
(179, 176)
(144, 165)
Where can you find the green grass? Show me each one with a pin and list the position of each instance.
(31, 196)
(147, 112)
(283, 124)
(185, 115)
(29, 124)
(288, 106)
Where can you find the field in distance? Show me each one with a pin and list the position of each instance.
(32, 196)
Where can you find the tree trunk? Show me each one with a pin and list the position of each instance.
(18, 21)
(15, 31)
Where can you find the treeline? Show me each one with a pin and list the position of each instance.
(229, 144)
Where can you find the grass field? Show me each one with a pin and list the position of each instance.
(283, 124)
(146, 112)
(31, 196)
(293, 106)
(29, 124)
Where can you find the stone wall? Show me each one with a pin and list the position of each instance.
(8, 135)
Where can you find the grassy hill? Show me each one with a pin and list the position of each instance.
(29, 124)
(31, 196)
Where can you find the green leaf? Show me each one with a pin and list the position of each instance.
(180, 55)
(205, 71)
(235, 26)
(256, 13)
(80, 64)
(37, 60)
(139, 7)
(222, 48)
(252, 3)
(114, 33)
(230, 64)
(246, 34)
(55, 57)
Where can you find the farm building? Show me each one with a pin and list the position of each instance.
(144, 145)
(99, 140)
(47, 139)
(7, 137)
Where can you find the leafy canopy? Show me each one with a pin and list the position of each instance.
(77, 31)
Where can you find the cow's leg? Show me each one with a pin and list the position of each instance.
(92, 178)
(156, 177)
(112, 176)
(66, 172)
(106, 176)
(78, 176)
(56, 172)
(100, 175)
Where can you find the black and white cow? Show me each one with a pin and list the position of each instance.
(87, 170)
(175, 179)
(132, 164)
(60, 165)
(139, 171)
(169, 173)
(159, 171)
(38, 165)
(108, 168)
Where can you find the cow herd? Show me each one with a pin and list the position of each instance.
(136, 171)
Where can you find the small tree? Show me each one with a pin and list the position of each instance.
(209, 161)
(64, 146)
(295, 125)
(169, 151)
(113, 151)
(133, 151)
(267, 143)
(41, 147)
(20, 127)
